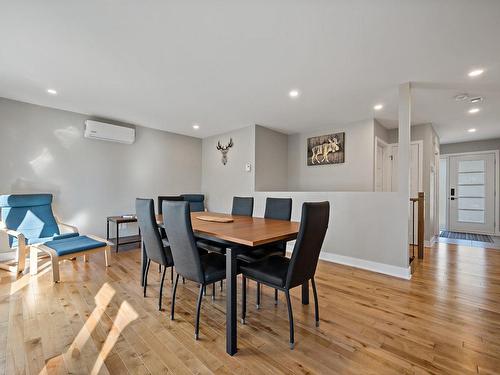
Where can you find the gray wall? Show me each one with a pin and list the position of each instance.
(356, 174)
(43, 150)
(222, 182)
(456, 148)
(271, 160)
(475, 146)
(381, 132)
(351, 214)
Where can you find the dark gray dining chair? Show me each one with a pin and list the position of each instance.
(203, 269)
(278, 209)
(242, 206)
(157, 250)
(282, 273)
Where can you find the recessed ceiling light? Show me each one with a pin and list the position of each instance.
(474, 110)
(378, 107)
(293, 93)
(196, 126)
(476, 72)
(472, 130)
(52, 91)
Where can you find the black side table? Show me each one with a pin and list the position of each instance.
(117, 220)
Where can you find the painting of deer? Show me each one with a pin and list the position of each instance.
(224, 150)
(326, 149)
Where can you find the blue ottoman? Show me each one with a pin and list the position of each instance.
(68, 248)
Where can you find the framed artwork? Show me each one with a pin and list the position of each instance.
(326, 149)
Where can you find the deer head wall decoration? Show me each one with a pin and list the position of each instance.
(224, 150)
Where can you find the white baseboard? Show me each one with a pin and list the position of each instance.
(433, 240)
(386, 269)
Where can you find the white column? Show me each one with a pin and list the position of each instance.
(404, 163)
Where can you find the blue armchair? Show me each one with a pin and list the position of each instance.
(30, 224)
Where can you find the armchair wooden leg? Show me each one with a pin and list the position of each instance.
(107, 256)
(54, 259)
(33, 260)
(21, 258)
(85, 258)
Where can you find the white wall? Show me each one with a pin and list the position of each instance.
(429, 137)
(363, 232)
(221, 182)
(43, 150)
(271, 160)
(356, 174)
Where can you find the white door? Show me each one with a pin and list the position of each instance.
(472, 193)
(415, 169)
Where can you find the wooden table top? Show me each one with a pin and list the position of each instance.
(243, 230)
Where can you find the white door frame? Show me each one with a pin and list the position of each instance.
(385, 184)
(497, 185)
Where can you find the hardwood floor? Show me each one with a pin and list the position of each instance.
(445, 320)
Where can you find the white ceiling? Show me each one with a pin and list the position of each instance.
(228, 64)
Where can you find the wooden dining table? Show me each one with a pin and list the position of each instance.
(251, 232)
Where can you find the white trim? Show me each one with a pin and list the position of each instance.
(386, 269)
(432, 241)
(385, 145)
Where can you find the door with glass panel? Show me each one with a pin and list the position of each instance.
(472, 193)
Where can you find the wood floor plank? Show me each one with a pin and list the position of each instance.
(446, 320)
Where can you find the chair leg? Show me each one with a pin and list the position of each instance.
(183, 280)
(276, 297)
(33, 260)
(221, 285)
(146, 276)
(161, 287)
(172, 274)
(213, 292)
(159, 268)
(173, 297)
(204, 290)
(290, 318)
(107, 256)
(316, 305)
(243, 299)
(198, 308)
(85, 258)
(21, 258)
(258, 296)
(55, 268)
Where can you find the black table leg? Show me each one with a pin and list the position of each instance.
(107, 230)
(231, 332)
(117, 235)
(305, 293)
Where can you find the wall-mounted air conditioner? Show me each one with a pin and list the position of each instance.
(109, 132)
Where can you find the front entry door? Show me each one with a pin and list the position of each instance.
(472, 193)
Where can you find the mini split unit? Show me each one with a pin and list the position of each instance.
(109, 132)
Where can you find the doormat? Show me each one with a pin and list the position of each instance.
(466, 236)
